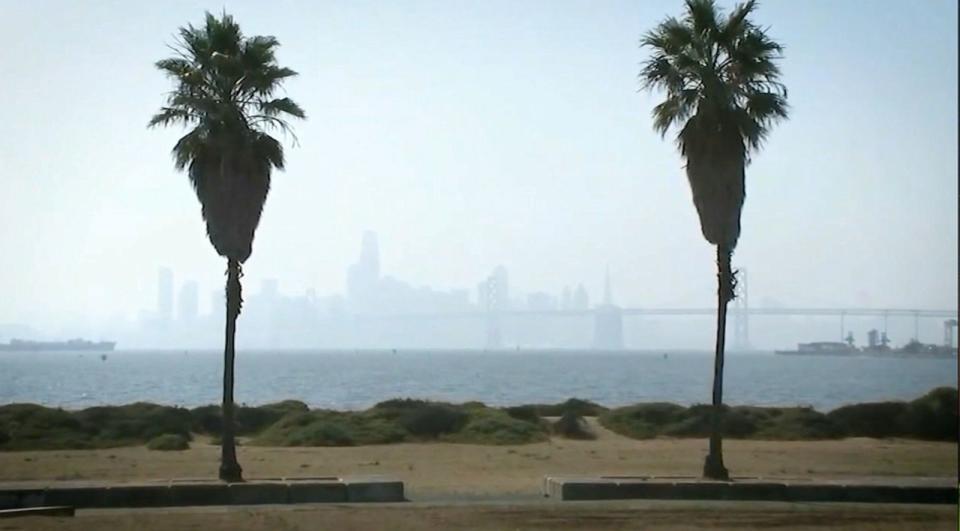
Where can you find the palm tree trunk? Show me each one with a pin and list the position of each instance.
(713, 468)
(229, 467)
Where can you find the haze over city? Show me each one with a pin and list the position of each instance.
(473, 137)
(435, 265)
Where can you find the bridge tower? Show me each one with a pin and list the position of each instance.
(493, 297)
(607, 321)
(741, 317)
(948, 327)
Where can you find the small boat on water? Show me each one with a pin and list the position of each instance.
(72, 345)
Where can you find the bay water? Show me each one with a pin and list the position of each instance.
(359, 379)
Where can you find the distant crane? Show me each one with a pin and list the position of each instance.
(849, 338)
(948, 327)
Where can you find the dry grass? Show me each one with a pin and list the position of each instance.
(451, 471)
(448, 470)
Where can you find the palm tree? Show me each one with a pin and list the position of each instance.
(224, 90)
(722, 87)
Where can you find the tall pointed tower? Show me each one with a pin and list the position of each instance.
(607, 321)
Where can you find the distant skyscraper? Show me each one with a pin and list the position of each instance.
(493, 296)
(188, 302)
(218, 302)
(607, 293)
(502, 280)
(370, 253)
(581, 301)
(165, 294)
(566, 299)
(607, 321)
(364, 275)
(494, 292)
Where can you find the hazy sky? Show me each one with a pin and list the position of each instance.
(471, 134)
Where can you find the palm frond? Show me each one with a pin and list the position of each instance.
(736, 24)
(191, 146)
(171, 115)
(281, 105)
(675, 109)
(702, 18)
(262, 82)
(176, 67)
(272, 123)
(661, 72)
(258, 51)
(267, 148)
(677, 36)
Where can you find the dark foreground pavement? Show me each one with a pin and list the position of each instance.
(538, 515)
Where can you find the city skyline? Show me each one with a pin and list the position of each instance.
(363, 277)
(277, 318)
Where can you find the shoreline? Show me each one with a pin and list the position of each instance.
(433, 398)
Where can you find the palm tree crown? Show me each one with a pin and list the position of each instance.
(225, 86)
(722, 87)
(722, 69)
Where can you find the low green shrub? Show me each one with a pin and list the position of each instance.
(577, 406)
(494, 426)
(797, 423)
(135, 423)
(872, 419)
(697, 421)
(934, 416)
(33, 427)
(528, 413)
(398, 405)
(321, 433)
(247, 420)
(433, 420)
(330, 428)
(644, 421)
(168, 442)
(572, 426)
(401, 420)
(39, 428)
(207, 420)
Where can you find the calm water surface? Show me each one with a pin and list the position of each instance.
(350, 380)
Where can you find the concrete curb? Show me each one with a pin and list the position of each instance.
(573, 488)
(354, 489)
(37, 511)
